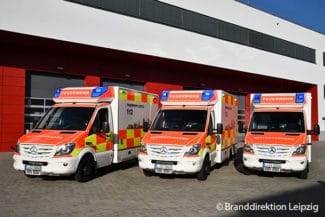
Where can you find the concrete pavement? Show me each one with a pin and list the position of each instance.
(124, 191)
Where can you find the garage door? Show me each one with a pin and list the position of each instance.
(40, 88)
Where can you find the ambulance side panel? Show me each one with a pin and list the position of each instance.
(135, 109)
(226, 110)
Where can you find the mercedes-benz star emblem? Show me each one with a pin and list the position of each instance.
(272, 150)
(33, 150)
(163, 150)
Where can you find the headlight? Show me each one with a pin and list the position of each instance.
(17, 148)
(143, 147)
(248, 148)
(65, 149)
(300, 150)
(193, 150)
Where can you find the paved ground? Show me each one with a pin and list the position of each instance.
(125, 191)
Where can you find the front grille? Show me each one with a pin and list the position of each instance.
(164, 162)
(35, 163)
(166, 150)
(272, 161)
(37, 150)
(273, 150)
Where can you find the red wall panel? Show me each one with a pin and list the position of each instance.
(157, 88)
(12, 104)
(92, 81)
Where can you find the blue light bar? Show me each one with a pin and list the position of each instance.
(164, 95)
(207, 95)
(257, 98)
(98, 91)
(300, 97)
(57, 92)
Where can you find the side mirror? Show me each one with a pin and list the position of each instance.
(145, 126)
(316, 129)
(219, 128)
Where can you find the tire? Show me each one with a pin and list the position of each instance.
(147, 173)
(304, 173)
(86, 169)
(205, 170)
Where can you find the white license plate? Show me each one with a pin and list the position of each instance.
(271, 167)
(33, 170)
(162, 168)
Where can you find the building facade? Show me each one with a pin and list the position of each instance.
(152, 46)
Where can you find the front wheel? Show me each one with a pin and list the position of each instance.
(147, 173)
(205, 170)
(304, 174)
(86, 169)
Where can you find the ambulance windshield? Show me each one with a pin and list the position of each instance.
(180, 120)
(66, 118)
(277, 122)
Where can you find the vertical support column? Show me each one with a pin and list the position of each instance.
(92, 81)
(314, 110)
(12, 106)
(247, 109)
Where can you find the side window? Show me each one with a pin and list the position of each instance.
(101, 122)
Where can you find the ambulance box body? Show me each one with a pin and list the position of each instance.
(86, 128)
(192, 131)
(279, 134)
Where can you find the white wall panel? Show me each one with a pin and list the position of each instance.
(67, 21)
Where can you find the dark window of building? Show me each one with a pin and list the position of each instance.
(171, 15)
(284, 47)
(201, 24)
(305, 53)
(261, 41)
(121, 6)
(323, 59)
(160, 12)
(233, 33)
(127, 7)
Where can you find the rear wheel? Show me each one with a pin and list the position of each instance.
(86, 169)
(205, 170)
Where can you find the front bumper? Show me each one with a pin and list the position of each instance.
(50, 166)
(288, 164)
(170, 165)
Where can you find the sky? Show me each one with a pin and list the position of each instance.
(308, 13)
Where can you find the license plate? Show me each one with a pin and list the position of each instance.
(162, 168)
(33, 170)
(271, 167)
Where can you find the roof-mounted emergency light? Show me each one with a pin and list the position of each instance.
(300, 98)
(257, 98)
(57, 92)
(207, 95)
(98, 91)
(164, 95)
